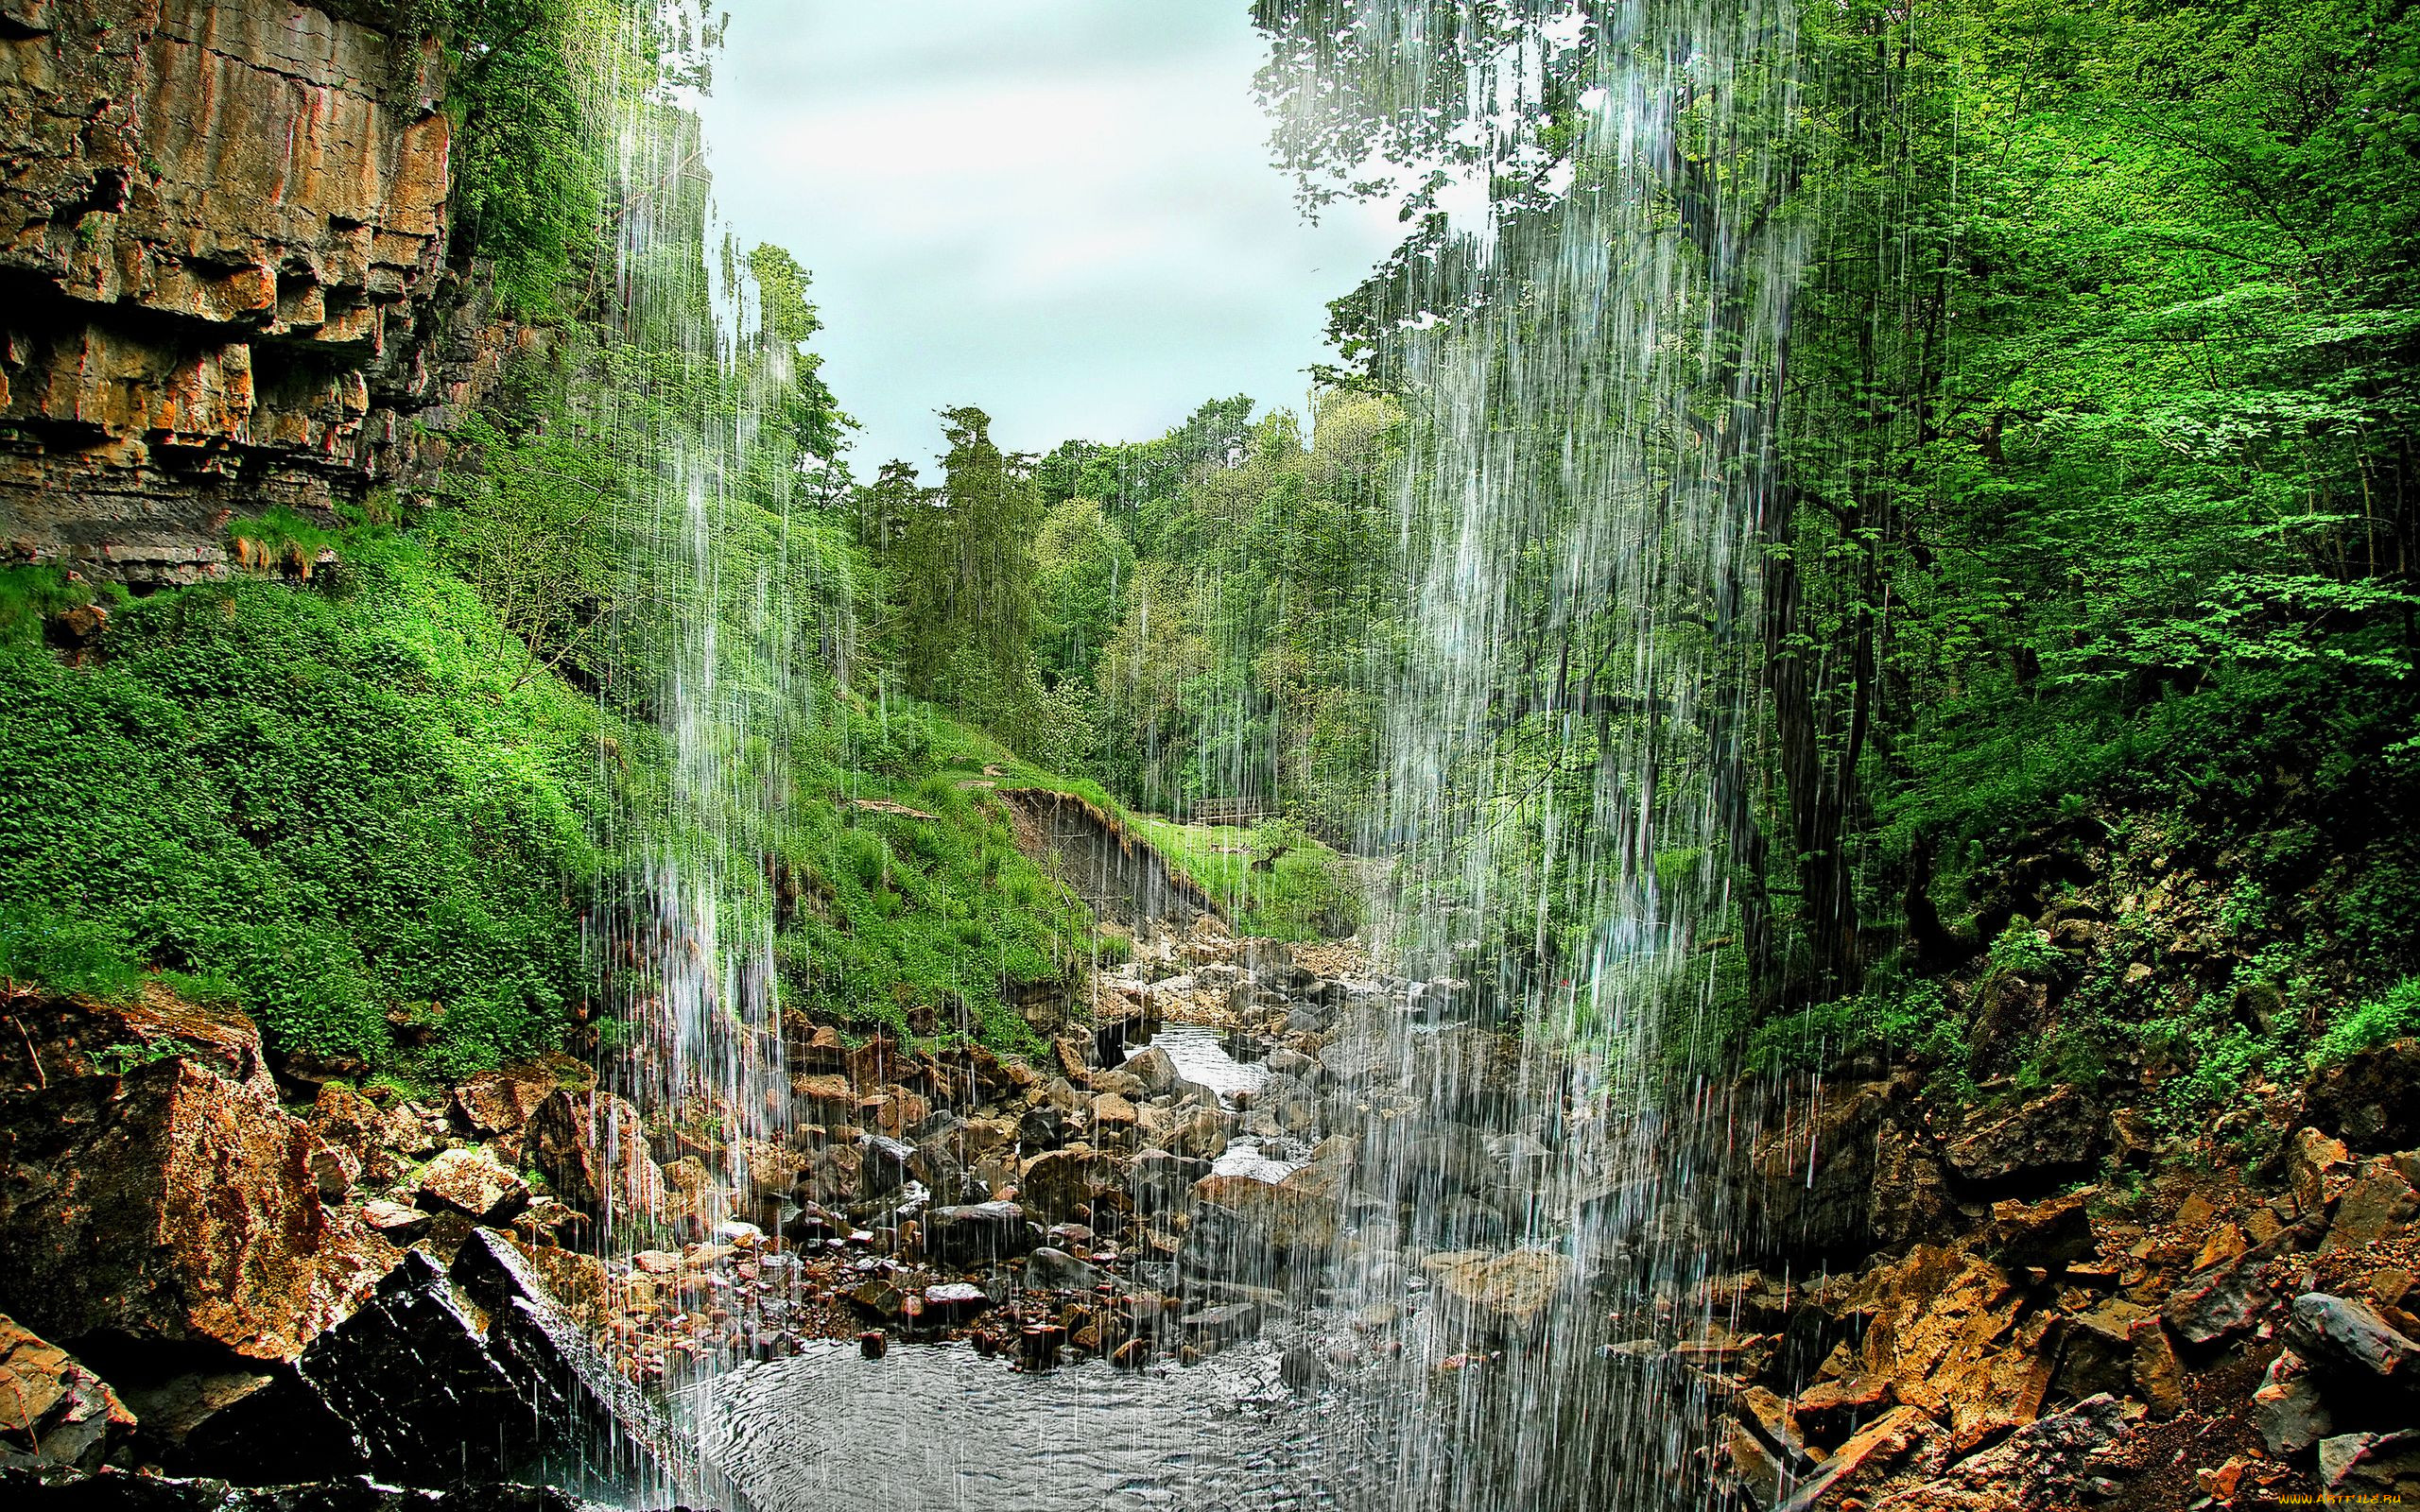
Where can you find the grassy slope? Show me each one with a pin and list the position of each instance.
(1308, 893)
(344, 805)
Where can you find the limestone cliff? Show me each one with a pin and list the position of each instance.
(223, 270)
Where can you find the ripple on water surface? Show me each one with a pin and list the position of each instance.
(937, 1427)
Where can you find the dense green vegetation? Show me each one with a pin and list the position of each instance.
(2073, 615)
(2084, 520)
(397, 787)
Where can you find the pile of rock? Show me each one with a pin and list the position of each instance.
(2202, 1340)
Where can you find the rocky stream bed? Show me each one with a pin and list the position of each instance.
(1255, 1218)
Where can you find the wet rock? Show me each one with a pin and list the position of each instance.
(955, 1302)
(1223, 1324)
(2051, 1233)
(568, 1395)
(1113, 1117)
(1056, 1184)
(1048, 1269)
(883, 1164)
(471, 1183)
(1202, 1134)
(980, 1231)
(1499, 1296)
(2033, 1142)
(1155, 1068)
(1162, 1178)
(1265, 1223)
(175, 1205)
(2349, 1338)
(2371, 1100)
(2044, 1463)
(824, 1098)
(2223, 1300)
(52, 1408)
(591, 1149)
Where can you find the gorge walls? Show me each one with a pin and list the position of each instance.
(223, 271)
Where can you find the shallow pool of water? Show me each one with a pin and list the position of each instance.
(1201, 1054)
(935, 1426)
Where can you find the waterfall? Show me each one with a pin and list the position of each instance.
(685, 387)
(1588, 334)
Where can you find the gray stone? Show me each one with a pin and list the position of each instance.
(980, 1231)
(2351, 1339)
(1055, 1270)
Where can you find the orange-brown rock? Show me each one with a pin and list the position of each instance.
(173, 1204)
(223, 229)
(500, 1102)
(57, 1039)
(593, 1155)
(51, 1407)
(1950, 1325)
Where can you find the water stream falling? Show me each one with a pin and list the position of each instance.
(1588, 362)
(685, 383)
(1589, 366)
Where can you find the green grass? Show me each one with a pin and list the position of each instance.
(2391, 1015)
(1308, 893)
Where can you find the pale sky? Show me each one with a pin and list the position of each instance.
(1060, 211)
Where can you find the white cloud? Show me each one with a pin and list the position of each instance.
(1060, 209)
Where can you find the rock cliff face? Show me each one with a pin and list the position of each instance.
(223, 278)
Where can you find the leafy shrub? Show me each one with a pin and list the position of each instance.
(2391, 1015)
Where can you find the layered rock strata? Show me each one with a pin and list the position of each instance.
(222, 270)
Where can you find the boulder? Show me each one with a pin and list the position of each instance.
(1056, 1184)
(500, 1102)
(469, 1181)
(1267, 1216)
(1829, 1412)
(2288, 1411)
(2044, 1463)
(2318, 1168)
(2370, 1100)
(2054, 1234)
(1902, 1437)
(1161, 1179)
(1055, 1270)
(2225, 1299)
(59, 1038)
(2383, 1468)
(591, 1151)
(1950, 1326)
(1506, 1295)
(978, 1231)
(174, 1205)
(52, 1408)
(2350, 1339)
(1155, 1069)
(2029, 1143)
(417, 1388)
(955, 1302)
